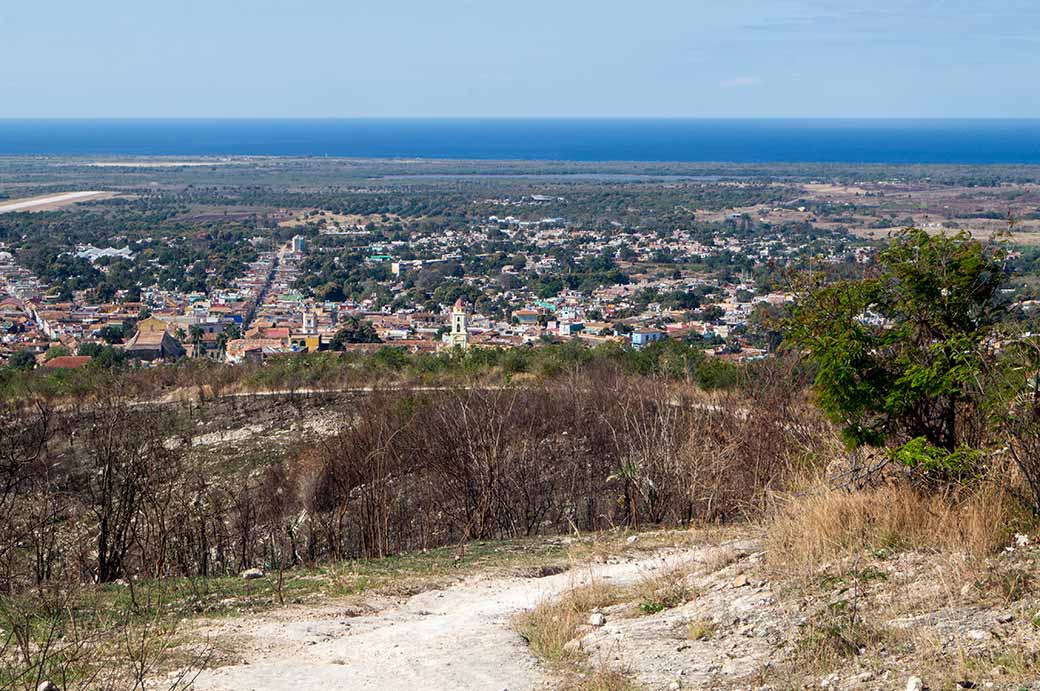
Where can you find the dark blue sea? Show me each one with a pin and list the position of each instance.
(742, 141)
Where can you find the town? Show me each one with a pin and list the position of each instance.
(263, 313)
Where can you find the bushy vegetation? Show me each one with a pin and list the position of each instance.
(102, 488)
(672, 359)
(921, 356)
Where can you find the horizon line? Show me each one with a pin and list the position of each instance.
(768, 118)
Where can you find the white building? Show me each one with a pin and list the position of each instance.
(458, 337)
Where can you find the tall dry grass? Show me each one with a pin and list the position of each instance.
(821, 523)
(552, 624)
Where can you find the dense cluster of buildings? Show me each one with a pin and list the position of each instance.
(262, 314)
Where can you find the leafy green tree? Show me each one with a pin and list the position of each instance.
(111, 334)
(108, 357)
(56, 351)
(231, 332)
(900, 354)
(23, 360)
(354, 330)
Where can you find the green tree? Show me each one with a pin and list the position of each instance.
(23, 359)
(56, 351)
(354, 330)
(231, 332)
(901, 354)
(111, 334)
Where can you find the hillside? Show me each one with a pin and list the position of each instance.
(858, 512)
(664, 610)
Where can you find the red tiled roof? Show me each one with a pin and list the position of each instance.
(67, 362)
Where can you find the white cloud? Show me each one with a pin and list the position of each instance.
(738, 83)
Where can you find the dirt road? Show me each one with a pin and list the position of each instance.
(458, 639)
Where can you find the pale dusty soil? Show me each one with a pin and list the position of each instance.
(457, 639)
(748, 627)
(933, 625)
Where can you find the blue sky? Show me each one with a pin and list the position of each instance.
(374, 58)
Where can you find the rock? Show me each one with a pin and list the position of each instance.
(966, 684)
(251, 574)
(740, 581)
(597, 619)
(1005, 618)
(632, 539)
(674, 686)
(914, 684)
(46, 686)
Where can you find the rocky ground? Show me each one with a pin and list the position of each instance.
(458, 638)
(254, 430)
(716, 615)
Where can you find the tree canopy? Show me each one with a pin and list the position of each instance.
(901, 353)
(354, 330)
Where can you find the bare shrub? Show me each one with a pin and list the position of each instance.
(80, 644)
(1022, 428)
(422, 469)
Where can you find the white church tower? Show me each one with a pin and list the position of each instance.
(458, 336)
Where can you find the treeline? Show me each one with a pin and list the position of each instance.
(670, 359)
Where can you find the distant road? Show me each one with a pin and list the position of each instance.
(52, 200)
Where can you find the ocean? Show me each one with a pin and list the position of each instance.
(741, 141)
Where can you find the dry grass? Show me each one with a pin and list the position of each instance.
(832, 542)
(827, 524)
(601, 679)
(701, 630)
(657, 593)
(837, 636)
(552, 624)
(1015, 663)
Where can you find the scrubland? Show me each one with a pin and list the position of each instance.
(129, 528)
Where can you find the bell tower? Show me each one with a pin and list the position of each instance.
(458, 337)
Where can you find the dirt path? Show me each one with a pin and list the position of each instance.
(457, 639)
